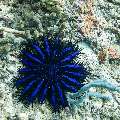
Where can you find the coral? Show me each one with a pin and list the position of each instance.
(114, 52)
(90, 20)
(75, 19)
(49, 72)
(102, 55)
(38, 18)
(77, 98)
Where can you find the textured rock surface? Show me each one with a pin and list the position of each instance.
(92, 24)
